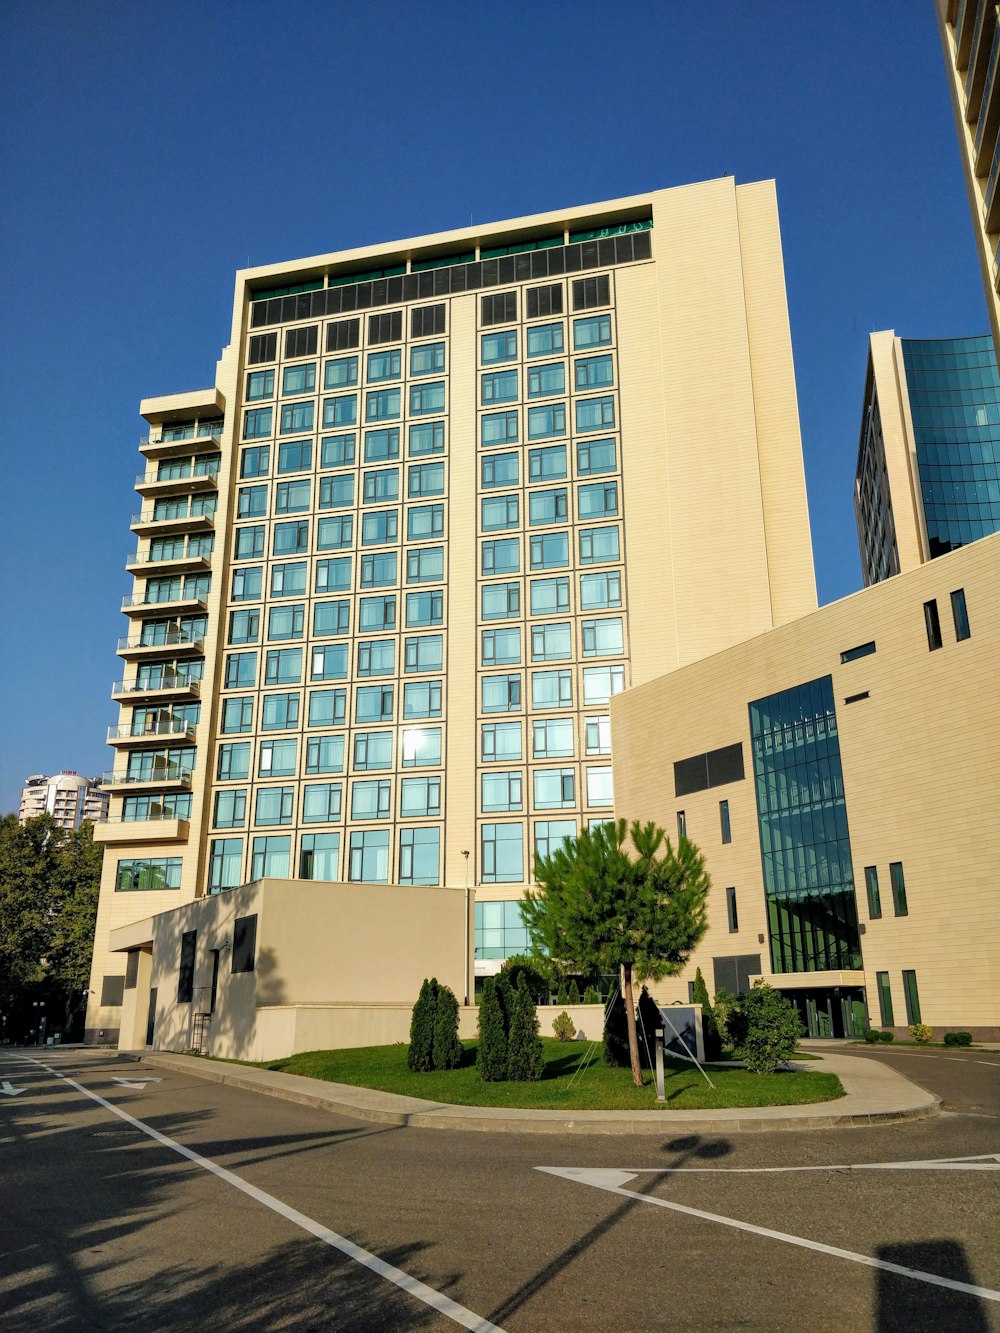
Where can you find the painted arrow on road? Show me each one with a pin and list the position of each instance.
(135, 1082)
(8, 1089)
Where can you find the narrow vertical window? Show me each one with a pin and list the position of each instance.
(912, 997)
(960, 613)
(884, 998)
(727, 832)
(933, 623)
(734, 921)
(898, 888)
(682, 824)
(874, 898)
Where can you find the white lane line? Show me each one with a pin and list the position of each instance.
(611, 1181)
(435, 1299)
(990, 1064)
(981, 1162)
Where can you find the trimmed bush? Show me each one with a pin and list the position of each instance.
(562, 994)
(921, 1032)
(447, 1050)
(564, 1027)
(773, 1028)
(525, 1057)
(574, 992)
(592, 995)
(491, 1050)
(958, 1038)
(616, 1033)
(536, 971)
(872, 1036)
(709, 1022)
(886, 1037)
(420, 1056)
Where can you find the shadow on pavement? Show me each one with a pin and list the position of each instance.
(906, 1306)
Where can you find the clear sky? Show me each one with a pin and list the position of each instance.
(149, 150)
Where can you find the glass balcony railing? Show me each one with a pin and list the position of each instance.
(153, 476)
(164, 558)
(171, 639)
(170, 726)
(162, 683)
(168, 773)
(138, 599)
(176, 516)
(204, 430)
(157, 816)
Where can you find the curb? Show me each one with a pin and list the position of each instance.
(392, 1109)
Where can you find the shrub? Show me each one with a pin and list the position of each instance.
(616, 1033)
(537, 973)
(447, 1051)
(574, 992)
(921, 1032)
(730, 1021)
(592, 995)
(525, 1057)
(958, 1038)
(886, 1037)
(564, 1027)
(649, 1019)
(773, 1028)
(709, 1023)
(420, 1056)
(872, 1036)
(562, 994)
(491, 1051)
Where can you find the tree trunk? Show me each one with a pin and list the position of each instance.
(633, 1036)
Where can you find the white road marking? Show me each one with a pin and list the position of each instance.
(135, 1082)
(419, 1290)
(8, 1090)
(990, 1064)
(612, 1181)
(980, 1162)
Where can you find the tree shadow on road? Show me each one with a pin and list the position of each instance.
(906, 1306)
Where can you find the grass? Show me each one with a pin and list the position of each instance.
(598, 1088)
(934, 1045)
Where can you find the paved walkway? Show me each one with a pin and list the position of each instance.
(875, 1094)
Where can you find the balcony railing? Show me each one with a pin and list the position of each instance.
(209, 430)
(166, 683)
(147, 558)
(157, 816)
(168, 773)
(171, 726)
(151, 476)
(139, 599)
(169, 640)
(145, 516)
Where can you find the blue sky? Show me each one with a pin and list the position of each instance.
(150, 150)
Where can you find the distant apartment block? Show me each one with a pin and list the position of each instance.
(67, 797)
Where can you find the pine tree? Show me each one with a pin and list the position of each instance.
(592, 995)
(491, 1050)
(447, 1049)
(574, 992)
(616, 1052)
(505, 994)
(709, 1026)
(420, 1056)
(562, 994)
(525, 1057)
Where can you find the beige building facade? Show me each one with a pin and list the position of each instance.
(445, 499)
(840, 774)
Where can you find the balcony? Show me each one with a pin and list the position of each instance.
(979, 55)
(150, 731)
(176, 643)
(991, 211)
(182, 604)
(145, 524)
(989, 111)
(170, 687)
(149, 483)
(141, 562)
(157, 828)
(163, 777)
(965, 21)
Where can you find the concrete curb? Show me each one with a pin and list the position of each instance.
(875, 1095)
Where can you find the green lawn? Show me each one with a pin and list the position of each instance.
(598, 1088)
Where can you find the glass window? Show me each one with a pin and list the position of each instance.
(340, 373)
(329, 662)
(271, 857)
(378, 571)
(244, 626)
(251, 502)
(249, 543)
(593, 372)
(546, 421)
(382, 405)
(295, 456)
(419, 797)
(547, 506)
(255, 461)
(501, 694)
(373, 704)
(257, 422)
(546, 379)
(600, 790)
(550, 550)
(427, 359)
(334, 575)
(369, 856)
(898, 889)
(379, 526)
(299, 379)
(726, 826)
(260, 384)
(500, 599)
(325, 754)
(241, 669)
(502, 854)
(327, 708)
(376, 657)
(381, 445)
(371, 800)
(603, 636)
(343, 410)
(372, 750)
(320, 856)
(600, 590)
(499, 469)
(274, 805)
(336, 492)
(336, 451)
(597, 735)
(234, 761)
(552, 738)
(237, 714)
(377, 612)
(425, 398)
(421, 746)
(595, 413)
(425, 479)
(960, 615)
(545, 339)
(385, 365)
(549, 596)
(277, 759)
(593, 456)
(598, 500)
(594, 331)
(321, 802)
(283, 666)
(419, 855)
(551, 834)
(331, 618)
(598, 545)
(426, 437)
(333, 534)
(425, 564)
(499, 428)
(291, 538)
(297, 417)
(501, 742)
(291, 497)
(501, 557)
(289, 580)
(554, 789)
(731, 912)
(423, 521)
(501, 647)
(424, 653)
(279, 711)
(230, 808)
(884, 998)
(498, 346)
(547, 464)
(551, 643)
(552, 689)
(501, 792)
(225, 864)
(499, 512)
(422, 698)
(498, 387)
(911, 997)
(872, 889)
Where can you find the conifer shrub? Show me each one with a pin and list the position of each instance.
(562, 994)
(447, 1050)
(525, 1057)
(649, 1019)
(616, 1033)
(564, 1027)
(420, 1056)
(710, 1030)
(592, 995)
(491, 1050)
(574, 992)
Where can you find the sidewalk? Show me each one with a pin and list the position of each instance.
(875, 1094)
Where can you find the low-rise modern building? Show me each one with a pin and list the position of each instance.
(445, 498)
(841, 775)
(66, 796)
(928, 474)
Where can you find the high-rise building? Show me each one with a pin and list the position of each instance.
(928, 475)
(445, 498)
(969, 35)
(67, 797)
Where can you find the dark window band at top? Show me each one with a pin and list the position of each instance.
(458, 278)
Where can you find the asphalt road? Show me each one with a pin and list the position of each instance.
(279, 1216)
